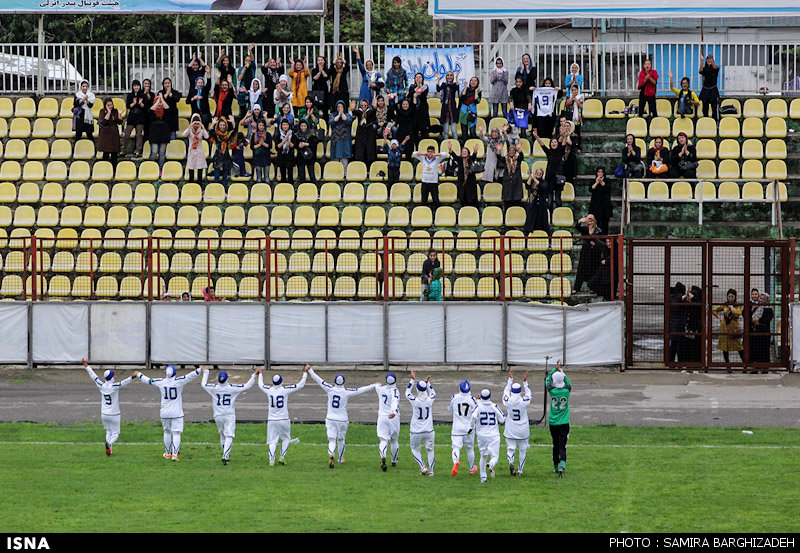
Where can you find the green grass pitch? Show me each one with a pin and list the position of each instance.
(646, 479)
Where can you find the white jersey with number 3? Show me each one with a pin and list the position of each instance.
(517, 426)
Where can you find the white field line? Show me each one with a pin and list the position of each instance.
(262, 444)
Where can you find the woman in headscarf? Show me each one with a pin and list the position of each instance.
(340, 123)
(272, 71)
(244, 76)
(171, 97)
(536, 214)
(466, 180)
(149, 99)
(371, 80)
(223, 96)
(339, 87)
(418, 94)
(600, 204)
(512, 180)
(299, 75)
(195, 155)
(589, 259)
(83, 120)
(760, 328)
(197, 98)
(364, 146)
(108, 133)
(224, 136)
(468, 108)
(251, 119)
(381, 115)
(255, 94)
(159, 131)
(306, 143)
(448, 93)
(730, 335)
(499, 93)
(310, 114)
(285, 146)
(135, 120)
(261, 143)
(320, 86)
(396, 81)
(527, 71)
(402, 113)
(574, 77)
(494, 164)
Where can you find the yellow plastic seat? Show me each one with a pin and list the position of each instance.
(492, 216)
(560, 263)
(706, 148)
(375, 216)
(636, 190)
(93, 217)
(353, 193)
(463, 288)
(777, 107)
(659, 126)
(706, 128)
(706, 169)
(560, 287)
(776, 169)
(56, 172)
(43, 128)
(356, 172)
(445, 216)
(10, 171)
(38, 149)
(296, 287)
(351, 216)
(102, 171)
(592, 109)
(683, 125)
(776, 128)
(753, 107)
(376, 193)
(614, 108)
(98, 193)
(515, 216)
(794, 109)
(729, 128)
(752, 148)
(728, 191)
(728, 169)
(536, 288)
(637, 126)
(780, 191)
(28, 193)
(330, 193)
(328, 216)
(171, 172)
(47, 108)
(562, 217)
(333, 171)
(141, 216)
(753, 128)
(307, 193)
(421, 216)
(657, 190)
(681, 191)
(305, 216)
(6, 108)
(752, 191)
(19, 128)
(149, 171)
(64, 128)
(776, 149)
(752, 169)
(122, 193)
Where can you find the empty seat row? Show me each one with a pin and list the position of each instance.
(725, 191)
(707, 127)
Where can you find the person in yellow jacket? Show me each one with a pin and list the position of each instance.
(298, 76)
(687, 99)
(730, 335)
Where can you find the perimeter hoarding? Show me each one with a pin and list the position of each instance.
(262, 7)
(480, 9)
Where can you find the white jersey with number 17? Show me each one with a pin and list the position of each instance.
(461, 405)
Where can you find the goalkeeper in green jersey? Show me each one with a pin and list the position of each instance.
(559, 387)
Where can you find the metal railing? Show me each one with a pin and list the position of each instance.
(608, 67)
(305, 268)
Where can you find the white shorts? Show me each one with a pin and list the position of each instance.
(278, 430)
(462, 440)
(522, 444)
(173, 425)
(226, 424)
(337, 430)
(422, 438)
(490, 445)
(111, 423)
(388, 429)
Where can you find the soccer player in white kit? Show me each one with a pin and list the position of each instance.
(278, 424)
(336, 419)
(421, 425)
(461, 405)
(517, 430)
(171, 388)
(486, 419)
(109, 408)
(223, 397)
(388, 419)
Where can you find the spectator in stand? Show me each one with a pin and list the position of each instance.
(135, 120)
(223, 96)
(730, 335)
(341, 139)
(571, 144)
(261, 143)
(536, 215)
(159, 132)
(285, 145)
(364, 145)
(237, 155)
(223, 135)
(396, 81)
(83, 118)
(687, 100)
(677, 318)
(435, 285)
(171, 97)
(760, 327)
(224, 68)
(601, 283)
(468, 108)
(210, 294)
(589, 259)
(272, 71)
(428, 266)
(108, 133)
(381, 115)
(632, 159)
(657, 159)
(255, 95)
(244, 78)
(430, 174)
(339, 86)
(197, 98)
(573, 106)
(311, 114)
(573, 78)
(282, 94)
(448, 93)
(197, 68)
(683, 158)
(418, 95)
(555, 159)
(299, 74)
(286, 114)
(371, 80)
(394, 154)
(545, 97)
(521, 107)
(710, 93)
(306, 142)
(499, 94)
(600, 204)
(149, 99)
(512, 180)
(494, 164)
(466, 180)
(648, 77)
(195, 155)
(320, 86)
(251, 119)
(402, 113)
(527, 71)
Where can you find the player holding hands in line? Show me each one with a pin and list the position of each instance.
(109, 408)
(171, 388)
(462, 405)
(486, 419)
(278, 424)
(223, 397)
(388, 419)
(517, 430)
(336, 419)
(421, 425)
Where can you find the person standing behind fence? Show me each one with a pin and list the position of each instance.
(396, 81)
(600, 204)
(108, 133)
(760, 327)
(689, 350)
(710, 93)
(83, 119)
(448, 94)
(677, 319)
(195, 155)
(590, 251)
(648, 77)
(135, 121)
(499, 93)
(573, 78)
(435, 285)
(299, 74)
(730, 335)
(427, 271)
(171, 97)
(272, 71)
(159, 132)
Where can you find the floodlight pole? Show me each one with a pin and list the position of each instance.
(41, 56)
(336, 5)
(367, 29)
